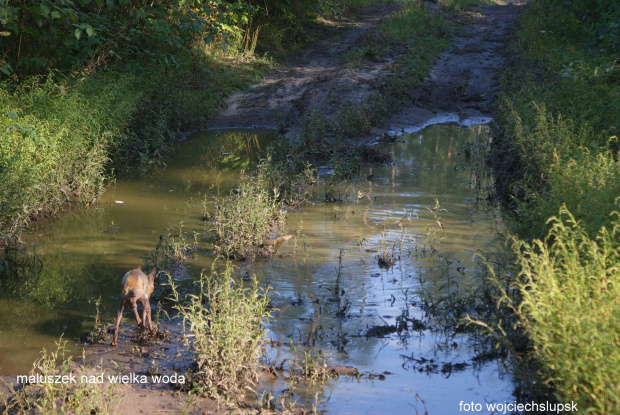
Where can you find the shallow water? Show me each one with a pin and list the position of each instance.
(86, 252)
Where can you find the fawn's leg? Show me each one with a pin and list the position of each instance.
(148, 316)
(134, 308)
(118, 322)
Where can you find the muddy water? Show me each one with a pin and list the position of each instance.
(389, 247)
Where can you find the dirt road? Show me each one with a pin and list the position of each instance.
(461, 83)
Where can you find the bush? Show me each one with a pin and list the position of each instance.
(245, 219)
(55, 147)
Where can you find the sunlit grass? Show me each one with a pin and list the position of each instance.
(557, 150)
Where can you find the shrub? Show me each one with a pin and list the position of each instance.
(244, 220)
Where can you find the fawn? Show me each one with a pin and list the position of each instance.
(137, 288)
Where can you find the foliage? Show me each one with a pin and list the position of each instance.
(351, 122)
(556, 150)
(289, 174)
(245, 219)
(169, 252)
(423, 36)
(557, 126)
(60, 139)
(227, 323)
(39, 36)
(569, 287)
(53, 148)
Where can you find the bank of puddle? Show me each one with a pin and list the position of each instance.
(407, 238)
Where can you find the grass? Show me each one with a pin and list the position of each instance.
(558, 123)
(227, 333)
(59, 398)
(63, 136)
(556, 156)
(245, 219)
(423, 36)
(569, 309)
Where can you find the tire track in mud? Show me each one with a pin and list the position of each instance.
(318, 78)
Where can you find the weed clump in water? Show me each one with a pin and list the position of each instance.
(227, 324)
(245, 219)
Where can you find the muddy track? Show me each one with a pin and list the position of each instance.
(462, 82)
(318, 78)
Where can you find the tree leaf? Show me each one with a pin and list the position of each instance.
(78, 34)
(90, 31)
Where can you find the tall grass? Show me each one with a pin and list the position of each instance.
(62, 397)
(558, 125)
(62, 137)
(227, 333)
(569, 287)
(245, 219)
(556, 149)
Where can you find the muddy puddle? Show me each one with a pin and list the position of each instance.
(370, 282)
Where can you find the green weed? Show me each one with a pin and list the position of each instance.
(63, 397)
(569, 282)
(245, 219)
(351, 121)
(227, 333)
(556, 150)
(169, 251)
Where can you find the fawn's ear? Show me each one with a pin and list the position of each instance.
(153, 273)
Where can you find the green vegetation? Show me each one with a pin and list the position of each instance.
(61, 139)
(570, 310)
(227, 323)
(556, 154)
(245, 219)
(559, 115)
(92, 87)
(62, 397)
(423, 35)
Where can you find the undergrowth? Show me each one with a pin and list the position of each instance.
(245, 219)
(64, 397)
(63, 137)
(569, 288)
(556, 149)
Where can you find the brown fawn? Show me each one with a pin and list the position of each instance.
(137, 288)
